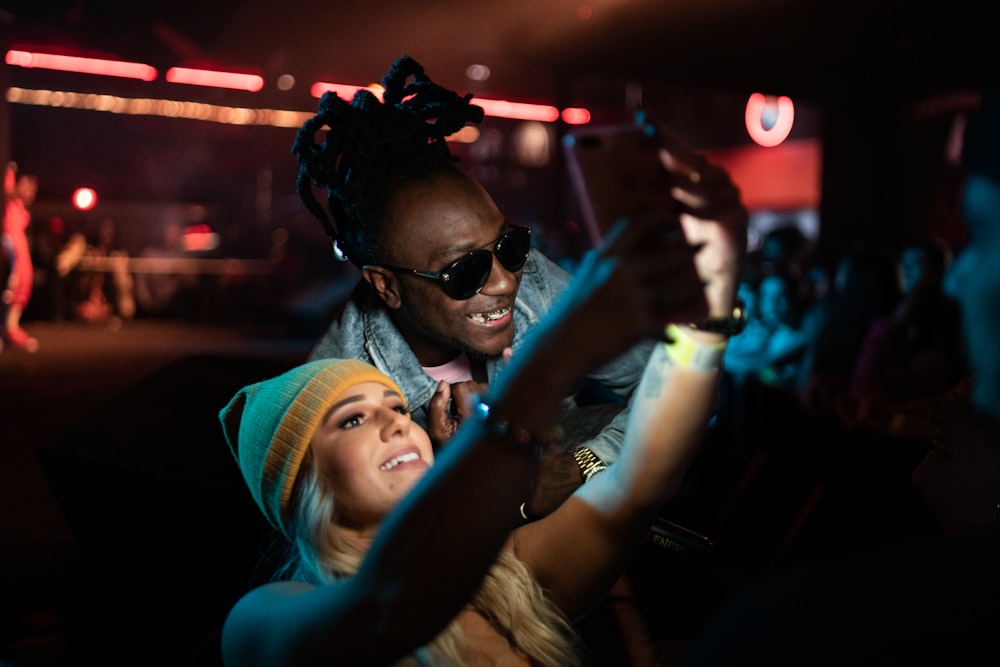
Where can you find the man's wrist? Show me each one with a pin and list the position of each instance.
(730, 325)
(590, 464)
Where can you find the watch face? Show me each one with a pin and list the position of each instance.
(728, 326)
(739, 316)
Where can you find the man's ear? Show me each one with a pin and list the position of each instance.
(385, 283)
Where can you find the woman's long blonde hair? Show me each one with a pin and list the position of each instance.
(509, 597)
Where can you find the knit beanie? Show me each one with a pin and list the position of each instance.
(269, 425)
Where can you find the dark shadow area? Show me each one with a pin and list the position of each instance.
(167, 535)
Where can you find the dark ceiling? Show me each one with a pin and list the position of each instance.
(540, 49)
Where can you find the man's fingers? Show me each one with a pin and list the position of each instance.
(462, 394)
(440, 425)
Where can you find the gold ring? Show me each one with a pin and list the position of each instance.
(695, 177)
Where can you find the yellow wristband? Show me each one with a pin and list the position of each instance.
(689, 353)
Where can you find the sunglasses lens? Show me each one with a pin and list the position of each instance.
(512, 250)
(468, 275)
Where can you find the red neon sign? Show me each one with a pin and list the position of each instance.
(119, 68)
(342, 90)
(575, 116)
(783, 112)
(497, 108)
(215, 79)
(518, 110)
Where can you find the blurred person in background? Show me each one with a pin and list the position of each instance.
(20, 191)
(102, 290)
(932, 601)
(915, 352)
(161, 293)
(865, 288)
(771, 346)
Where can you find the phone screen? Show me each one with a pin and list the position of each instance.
(615, 173)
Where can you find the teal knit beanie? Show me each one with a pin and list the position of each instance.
(269, 425)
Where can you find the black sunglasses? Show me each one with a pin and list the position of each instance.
(466, 276)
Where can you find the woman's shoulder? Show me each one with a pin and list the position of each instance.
(266, 594)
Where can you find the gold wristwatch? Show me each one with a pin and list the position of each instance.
(589, 463)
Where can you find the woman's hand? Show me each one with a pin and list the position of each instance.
(712, 216)
(679, 265)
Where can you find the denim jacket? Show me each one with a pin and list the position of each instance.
(364, 330)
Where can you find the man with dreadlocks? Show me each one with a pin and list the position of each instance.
(448, 282)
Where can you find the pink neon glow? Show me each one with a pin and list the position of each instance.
(81, 65)
(497, 108)
(84, 199)
(214, 79)
(518, 110)
(575, 116)
(778, 132)
(343, 91)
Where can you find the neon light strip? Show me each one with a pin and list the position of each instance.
(543, 113)
(342, 90)
(80, 65)
(214, 79)
(139, 106)
(251, 82)
(173, 109)
(576, 116)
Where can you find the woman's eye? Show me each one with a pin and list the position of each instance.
(352, 422)
(402, 409)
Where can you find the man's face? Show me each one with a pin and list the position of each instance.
(433, 223)
(975, 282)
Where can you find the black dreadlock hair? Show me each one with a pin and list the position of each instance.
(371, 148)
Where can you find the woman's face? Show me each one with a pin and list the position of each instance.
(371, 453)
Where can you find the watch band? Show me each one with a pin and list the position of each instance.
(727, 326)
(590, 464)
